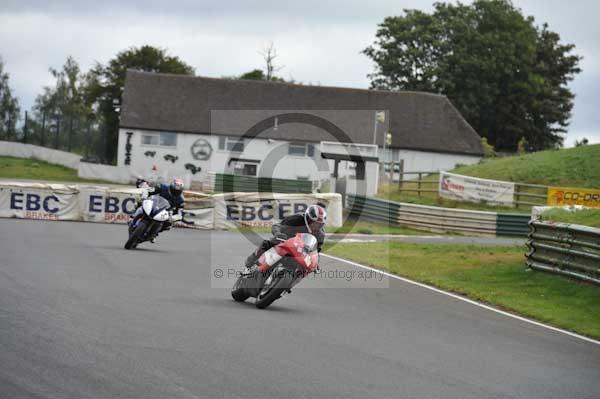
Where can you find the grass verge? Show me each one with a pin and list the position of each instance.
(585, 217)
(494, 275)
(22, 168)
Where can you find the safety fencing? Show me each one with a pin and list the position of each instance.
(93, 203)
(437, 219)
(227, 183)
(567, 249)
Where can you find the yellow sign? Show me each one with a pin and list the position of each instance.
(559, 196)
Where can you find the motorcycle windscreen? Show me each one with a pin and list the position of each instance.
(308, 257)
(159, 204)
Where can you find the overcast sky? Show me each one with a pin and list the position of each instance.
(318, 41)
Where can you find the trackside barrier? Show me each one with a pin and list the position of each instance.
(226, 183)
(92, 203)
(437, 219)
(563, 248)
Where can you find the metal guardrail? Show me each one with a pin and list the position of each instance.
(567, 249)
(235, 183)
(437, 219)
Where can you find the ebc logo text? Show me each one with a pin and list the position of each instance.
(33, 202)
(99, 203)
(265, 212)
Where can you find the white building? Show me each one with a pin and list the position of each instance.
(194, 126)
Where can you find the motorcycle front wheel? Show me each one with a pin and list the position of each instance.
(238, 293)
(136, 236)
(281, 281)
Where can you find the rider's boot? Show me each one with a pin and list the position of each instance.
(251, 263)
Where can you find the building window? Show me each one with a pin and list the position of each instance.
(301, 150)
(231, 144)
(168, 139)
(160, 139)
(296, 149)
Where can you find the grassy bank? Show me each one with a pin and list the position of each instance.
(570, 167)
(22, 168)
(585, 217)
(496, 275)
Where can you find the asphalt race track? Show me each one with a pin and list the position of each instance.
(80, 317)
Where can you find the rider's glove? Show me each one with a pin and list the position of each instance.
(278, 238)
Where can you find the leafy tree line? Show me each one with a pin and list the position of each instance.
(79, 112)
(507, 76)
(9, 107)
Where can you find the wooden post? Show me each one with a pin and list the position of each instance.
(25, 127)
(70, 133)
(57, 132)
(400, 174)
(419, 185)
(517, 195)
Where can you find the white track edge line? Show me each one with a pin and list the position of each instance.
(472, 302)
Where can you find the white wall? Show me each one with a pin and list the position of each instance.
(287, 167)
(417, 161)
(20, 150)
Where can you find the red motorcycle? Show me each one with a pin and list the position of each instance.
(280, 268)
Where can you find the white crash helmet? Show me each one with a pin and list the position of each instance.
(315, 217)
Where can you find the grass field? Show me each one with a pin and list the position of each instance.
(571, 167)
(494, 275)
(21, 168)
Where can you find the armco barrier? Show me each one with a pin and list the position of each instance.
(226, 183)
(512, 224)
(567, 249)
(437, 219)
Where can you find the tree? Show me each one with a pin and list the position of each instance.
(105, 85)
(269, 54)
(255, 74)
(9, 107)
(61, 110)
(505, 75)
(582, 142)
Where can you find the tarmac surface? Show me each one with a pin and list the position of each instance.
(80, 317)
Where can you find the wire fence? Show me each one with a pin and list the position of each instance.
(83, 136)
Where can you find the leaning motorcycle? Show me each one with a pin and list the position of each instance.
(280, 268)
(155, 212)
